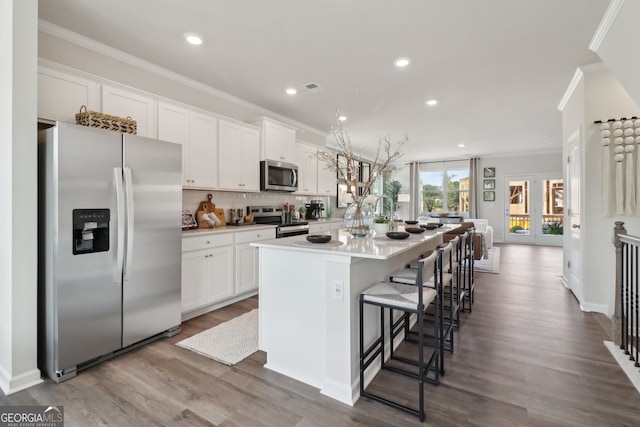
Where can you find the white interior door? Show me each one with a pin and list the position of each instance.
(518, 208)
(573, 210)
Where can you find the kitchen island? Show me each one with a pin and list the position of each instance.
(309, 303)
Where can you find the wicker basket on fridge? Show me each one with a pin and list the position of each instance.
(105, 121)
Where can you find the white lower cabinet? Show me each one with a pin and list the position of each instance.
(219, 269)
(247, 258)
(207, 270)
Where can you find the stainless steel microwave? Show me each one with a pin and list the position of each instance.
(278, 176)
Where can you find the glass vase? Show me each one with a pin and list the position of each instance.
(358, 218)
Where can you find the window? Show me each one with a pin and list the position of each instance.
(445, 186)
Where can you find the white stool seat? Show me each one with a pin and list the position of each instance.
(408, 276)
(398, 295)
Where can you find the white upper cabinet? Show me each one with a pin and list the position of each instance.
(126, 103)
(239, 157)
(60, 95)
(198, 134)
(173, 126)
(278, 141)
(327, 182)
(307, 169)
(203, 150)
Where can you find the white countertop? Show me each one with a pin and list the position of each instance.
(342, 243)
(227, 229)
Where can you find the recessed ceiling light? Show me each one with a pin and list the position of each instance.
(291, 91)
(342, 118)
(402, 62)
(193, 39)
(461, 145)
(431, 102)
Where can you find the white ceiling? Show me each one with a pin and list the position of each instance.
(498, 67)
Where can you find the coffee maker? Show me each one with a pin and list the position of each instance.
(313, 209)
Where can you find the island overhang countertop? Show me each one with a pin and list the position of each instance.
(308, 303)
(342, 243)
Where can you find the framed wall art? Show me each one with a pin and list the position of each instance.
(490, 172)
(489, 196)
(489, 184)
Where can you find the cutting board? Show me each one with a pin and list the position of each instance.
(207, 207)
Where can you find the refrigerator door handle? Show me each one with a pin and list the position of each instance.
(120, 224)
(128, 185)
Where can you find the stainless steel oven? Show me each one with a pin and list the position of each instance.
(274, 215)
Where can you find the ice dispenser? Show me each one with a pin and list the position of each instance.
(90, 231)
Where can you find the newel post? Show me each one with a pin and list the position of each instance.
(616, 320)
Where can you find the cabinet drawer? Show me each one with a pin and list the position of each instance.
(208, 241)
(255, 235)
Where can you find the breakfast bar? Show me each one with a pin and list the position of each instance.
(309, 303)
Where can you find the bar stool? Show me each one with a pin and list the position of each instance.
(410, 299)
(468, 280)
(445, 272)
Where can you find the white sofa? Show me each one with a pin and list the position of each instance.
(482, 227)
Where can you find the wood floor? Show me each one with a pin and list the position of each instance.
(525, 356)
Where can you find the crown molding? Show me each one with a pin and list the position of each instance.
(118, 55)
(575, 80)
(607, 21)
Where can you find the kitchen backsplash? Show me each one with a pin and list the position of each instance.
(231, 200)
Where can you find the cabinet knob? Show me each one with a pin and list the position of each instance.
(208, 242)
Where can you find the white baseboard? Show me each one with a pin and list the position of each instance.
(627, 366)
(10, 385)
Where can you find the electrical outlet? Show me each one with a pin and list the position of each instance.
(338, 290)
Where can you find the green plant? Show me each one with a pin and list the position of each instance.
(379, 219)
(555, 228)
(391, 190)
(516, 228)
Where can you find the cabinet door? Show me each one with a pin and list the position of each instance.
(229, 156)
(173, 126)
(327, 181)
(203, 151)
(61, 95)
(124, 103)
(246, 268)
(279, 142)
(195, 280)
(307, 169)
(250, 143)
(221, 273)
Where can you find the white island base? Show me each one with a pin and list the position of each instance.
(309, 315)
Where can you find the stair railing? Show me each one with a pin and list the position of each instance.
(626, 318)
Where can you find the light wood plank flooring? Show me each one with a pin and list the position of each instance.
(525, 356)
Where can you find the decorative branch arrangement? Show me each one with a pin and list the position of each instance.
(346, 164)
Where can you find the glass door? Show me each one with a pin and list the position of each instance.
(518, 209)
(550, 225)
(534, 211)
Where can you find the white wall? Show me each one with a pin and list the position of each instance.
(524, 163)
(18, 195)
(619, 48)
(599, 96)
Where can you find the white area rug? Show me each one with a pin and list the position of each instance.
(491, 265)
(627, 366)
(229, 342)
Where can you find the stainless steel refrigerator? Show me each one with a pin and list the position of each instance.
(110, 245)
